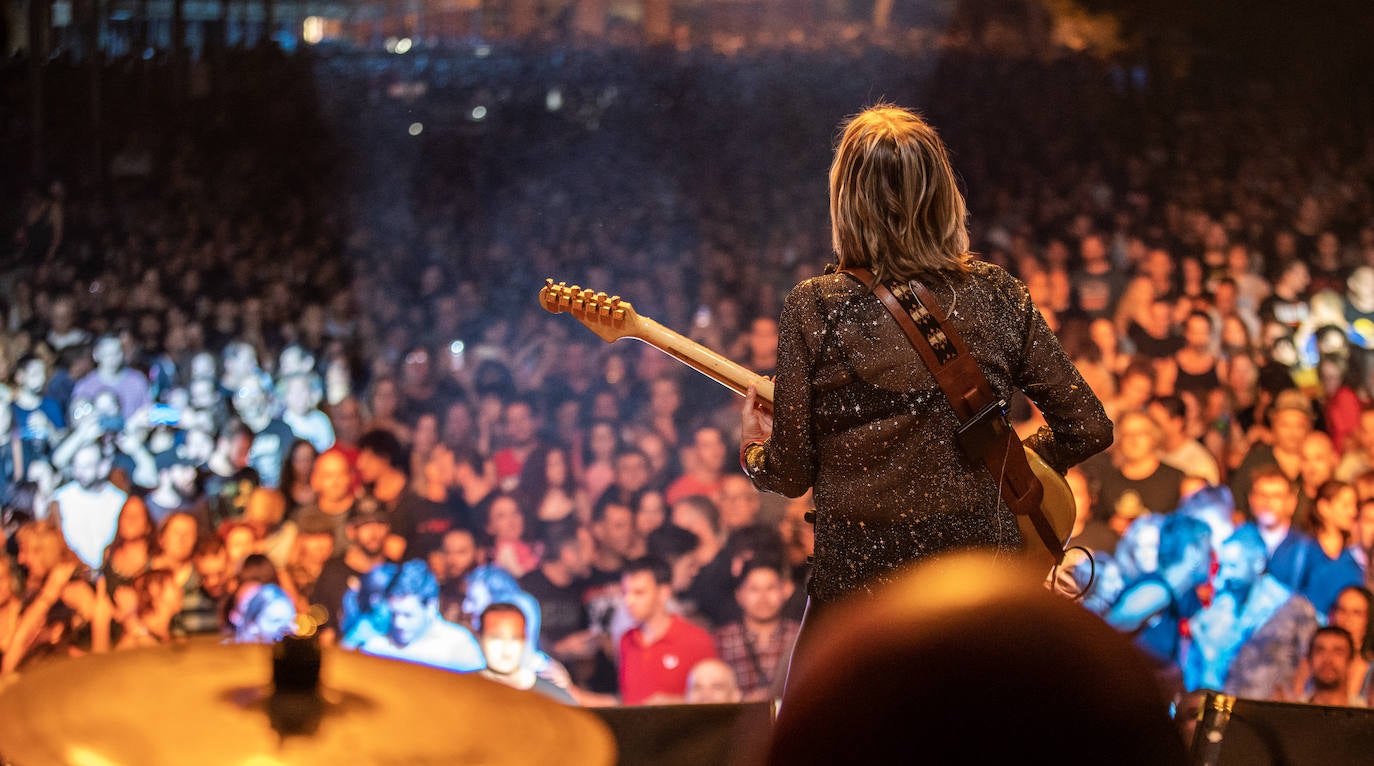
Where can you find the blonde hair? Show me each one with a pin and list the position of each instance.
(895, 207)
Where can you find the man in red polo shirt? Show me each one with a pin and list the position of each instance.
(657, 653)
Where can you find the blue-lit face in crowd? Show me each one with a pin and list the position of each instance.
(33, 375)
(1236, 571)
(274, 621)
(410, 618)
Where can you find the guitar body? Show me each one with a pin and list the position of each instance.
(1059, 509)
(612, 318)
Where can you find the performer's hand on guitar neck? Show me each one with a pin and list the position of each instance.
(756, 419)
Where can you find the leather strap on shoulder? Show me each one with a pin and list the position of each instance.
(942, 348)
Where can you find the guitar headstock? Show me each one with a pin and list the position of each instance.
(606, 315)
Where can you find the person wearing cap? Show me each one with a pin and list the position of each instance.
(368, 528)
(1290, 421)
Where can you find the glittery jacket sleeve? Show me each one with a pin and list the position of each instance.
(789, 464)
(1076, 426)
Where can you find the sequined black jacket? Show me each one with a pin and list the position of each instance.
(858, 417)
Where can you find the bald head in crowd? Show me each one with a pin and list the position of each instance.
(712, 681)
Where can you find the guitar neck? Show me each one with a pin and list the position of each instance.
(612, 319)
(733, 376)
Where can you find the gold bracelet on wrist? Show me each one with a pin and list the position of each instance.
(751, 458)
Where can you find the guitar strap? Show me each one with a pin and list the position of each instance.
(984, 432)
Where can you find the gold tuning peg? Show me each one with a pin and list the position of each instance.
(615, 300)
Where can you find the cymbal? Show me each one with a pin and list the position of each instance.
(200, 702)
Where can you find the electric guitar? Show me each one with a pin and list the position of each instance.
(612, 318)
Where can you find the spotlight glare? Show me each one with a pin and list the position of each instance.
(312, 30)
(479, 113)
(403, 45)
(416, 129)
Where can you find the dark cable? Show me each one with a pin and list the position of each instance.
(1092, 573)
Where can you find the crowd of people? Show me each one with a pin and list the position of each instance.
(285, 364)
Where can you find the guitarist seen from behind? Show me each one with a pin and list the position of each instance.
(857, 414)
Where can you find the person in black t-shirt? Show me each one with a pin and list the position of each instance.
(1096, 285)
(367, 534)
(1139, 482)
(271, 435)
(559, 583)
(381, 466)
(456, 555)
(1155, 338)
(1288, 305)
